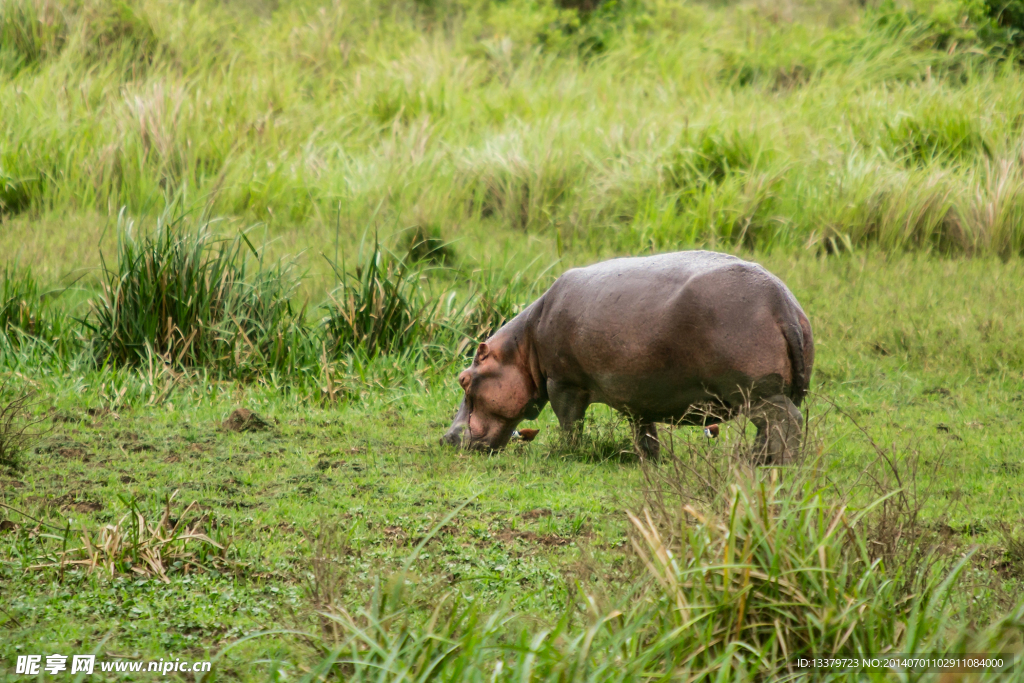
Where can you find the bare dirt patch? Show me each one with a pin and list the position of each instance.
(550, 540)
(243, 420)
(77, 502)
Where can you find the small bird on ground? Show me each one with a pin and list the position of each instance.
(711, 431)
(525, 434)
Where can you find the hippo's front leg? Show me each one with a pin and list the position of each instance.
(570, 405)
(645, 439)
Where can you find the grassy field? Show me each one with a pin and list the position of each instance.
(201, 191)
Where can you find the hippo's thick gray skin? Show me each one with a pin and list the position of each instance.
(662, 339)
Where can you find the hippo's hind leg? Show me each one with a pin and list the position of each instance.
(570, 405)
(645, 439)
(779, 426)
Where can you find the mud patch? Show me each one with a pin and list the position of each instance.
(324, 465)
(243, 420)
(75, 501)
(66, 416)
(550, 540)
(69, 450)
(536, 513)
(74, 454)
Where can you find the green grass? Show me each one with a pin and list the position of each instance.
(191, 197)
(920, 352)
(809, 125)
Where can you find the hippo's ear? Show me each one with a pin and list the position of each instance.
(482, 351)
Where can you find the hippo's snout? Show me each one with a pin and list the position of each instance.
(454, 436)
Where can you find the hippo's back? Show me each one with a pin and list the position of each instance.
(655, 334)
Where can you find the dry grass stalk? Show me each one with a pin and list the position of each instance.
(138, 546)
(15, 430)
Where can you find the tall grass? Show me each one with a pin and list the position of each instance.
(181, 296)
(775, 574)
(382, 307)
(637, 125)
(192, 299)
(29, 311)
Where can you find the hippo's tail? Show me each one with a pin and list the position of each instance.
(801, 355)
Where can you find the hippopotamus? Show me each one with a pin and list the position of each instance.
(692, 337)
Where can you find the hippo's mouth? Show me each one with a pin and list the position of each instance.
(463, 435)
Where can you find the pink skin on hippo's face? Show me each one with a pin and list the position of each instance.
(497, 398)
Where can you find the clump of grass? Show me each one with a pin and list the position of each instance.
(119, 31)
(15, 194)
(424, 243)
(1013, 544)
(327, 576)
(498, 296)
(195, 300)
(136, 545)
(751, 578)
(381, 308)
(31, 31)
(777, 573)
(711, 155)
(950, 138)
(27, 312)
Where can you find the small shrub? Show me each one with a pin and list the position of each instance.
(194, 300)
(15, 428)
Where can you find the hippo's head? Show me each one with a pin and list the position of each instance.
(500, 393)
